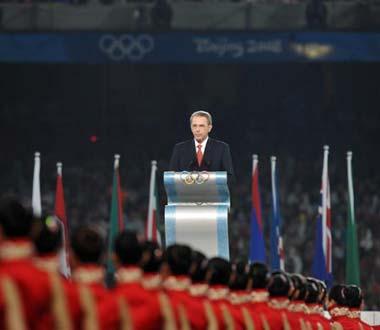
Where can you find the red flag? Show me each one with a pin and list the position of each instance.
(257, 244)
(60, 212)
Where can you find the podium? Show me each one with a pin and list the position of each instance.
(197, 211)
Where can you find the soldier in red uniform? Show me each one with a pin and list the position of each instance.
(16, 252)
(312, 300)
(344, 306)
(189, 311)
(145, 305)
(73, 309)
(258, 277)
(239, 298)
(279, 287)
(218, 275)
(354, 301)
(86, 253)
(132, 305)
(47, 242)
(298, 316)
(151, 263)
(198, 287)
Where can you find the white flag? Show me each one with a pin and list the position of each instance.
(36, 195)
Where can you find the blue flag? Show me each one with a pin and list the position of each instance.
(276, 248)
(257, 245)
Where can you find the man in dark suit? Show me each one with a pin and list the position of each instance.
(201, 153)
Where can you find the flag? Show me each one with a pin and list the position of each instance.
(151, 231)
(352, 251)
(36, 194)
(277, 252)
(257, 247)
(322, 263)
(60, 212)
(116, 216)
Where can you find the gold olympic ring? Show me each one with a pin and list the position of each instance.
(187, 178)
(194, 177)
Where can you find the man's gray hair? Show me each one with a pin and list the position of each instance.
(202, 114)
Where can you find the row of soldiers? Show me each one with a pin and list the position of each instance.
(175, 288)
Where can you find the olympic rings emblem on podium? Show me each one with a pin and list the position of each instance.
(194, 177)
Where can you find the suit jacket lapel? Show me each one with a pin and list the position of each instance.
(208, 151)
(191, 151)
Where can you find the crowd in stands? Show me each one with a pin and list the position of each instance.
(151, 287)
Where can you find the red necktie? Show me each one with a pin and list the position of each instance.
(199, 154)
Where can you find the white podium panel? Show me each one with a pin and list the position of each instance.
(197, 211)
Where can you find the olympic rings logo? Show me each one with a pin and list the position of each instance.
(194, 177)
(126, 46)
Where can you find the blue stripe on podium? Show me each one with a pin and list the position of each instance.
(221, 183)
(170, 234)
(171, 187)
(222, 232)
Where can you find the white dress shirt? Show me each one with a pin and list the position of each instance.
(203, 145)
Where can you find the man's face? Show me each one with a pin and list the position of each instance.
(200, 128)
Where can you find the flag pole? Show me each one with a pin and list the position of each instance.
(59, 168)
(255, 158)
(255, 161)
(116, 161)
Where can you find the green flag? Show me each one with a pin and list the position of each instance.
(352, 251)
(116, 220)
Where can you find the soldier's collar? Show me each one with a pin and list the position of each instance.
(198, 289)
(89, 274)
(16, 250)
(259, 296)
(49, 263)
(353, 313)
(129, 275)
(315, 308)
(278, 303)
(338, 311)
(177, 283)
(298, 306)
(151, 280)
(239, 297)
(217, 292)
